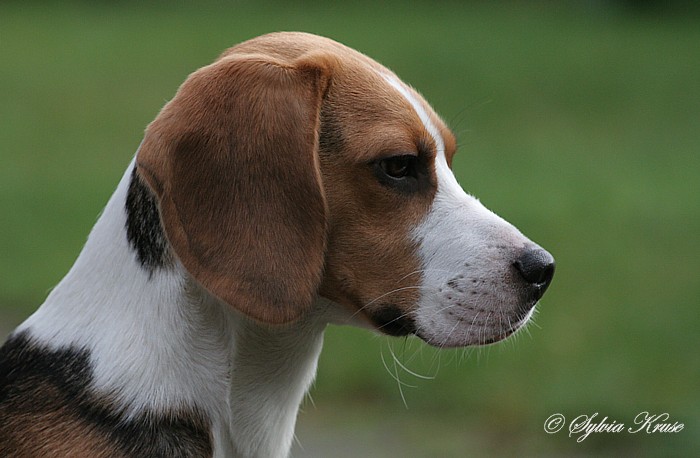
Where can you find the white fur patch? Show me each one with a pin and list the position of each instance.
(159, 342)
(131, 323)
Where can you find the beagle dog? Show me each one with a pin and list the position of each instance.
(291, 184)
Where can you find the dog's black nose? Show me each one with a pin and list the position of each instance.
(536, 266)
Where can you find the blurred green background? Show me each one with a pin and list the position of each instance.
(579, 122)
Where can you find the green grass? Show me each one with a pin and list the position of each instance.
(580, 126)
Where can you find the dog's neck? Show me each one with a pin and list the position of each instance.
(159, 343)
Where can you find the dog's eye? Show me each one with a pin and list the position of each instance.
(398, 167)
(404, 173)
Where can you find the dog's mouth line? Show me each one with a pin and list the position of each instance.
(459, 344)
(500, 335)
(392, 320)
(513, 329)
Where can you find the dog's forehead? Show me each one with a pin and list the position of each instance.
(384, 109)
(364, 96)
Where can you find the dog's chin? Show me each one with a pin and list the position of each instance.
(472, 336)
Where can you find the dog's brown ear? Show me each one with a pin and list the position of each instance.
(233, 161)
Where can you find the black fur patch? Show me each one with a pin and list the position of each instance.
(143, 228)
(391, 320)
(37, 383)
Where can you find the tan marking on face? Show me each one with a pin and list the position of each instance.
(449, 139)
(371, 258)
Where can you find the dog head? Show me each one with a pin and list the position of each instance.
(294, 167)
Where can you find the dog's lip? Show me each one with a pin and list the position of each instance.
(514, 328)
(502, 335)
(436, 343)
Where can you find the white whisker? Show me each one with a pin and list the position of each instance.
(396, 361)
